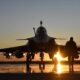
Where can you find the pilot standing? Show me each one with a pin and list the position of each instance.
(71, 49)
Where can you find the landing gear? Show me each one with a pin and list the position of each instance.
(28, 59)
(41, 64)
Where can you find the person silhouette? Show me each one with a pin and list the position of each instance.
(71, 50)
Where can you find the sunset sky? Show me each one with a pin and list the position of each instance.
(61, 18)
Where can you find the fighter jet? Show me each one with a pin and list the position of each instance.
(41, 43)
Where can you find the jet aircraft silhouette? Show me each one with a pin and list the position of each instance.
(40, 43)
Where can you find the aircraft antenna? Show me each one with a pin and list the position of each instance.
(34, 30)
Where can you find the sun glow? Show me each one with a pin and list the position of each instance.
(59, 68)
(58, 65)
(58, 56)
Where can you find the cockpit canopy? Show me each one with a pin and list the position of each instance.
(41, 30)
(41, 34)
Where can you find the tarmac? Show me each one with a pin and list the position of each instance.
(39, 76)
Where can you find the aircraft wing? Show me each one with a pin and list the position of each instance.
(22, 48)
(26, 38)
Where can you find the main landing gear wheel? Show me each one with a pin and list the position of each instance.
(41, 64)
